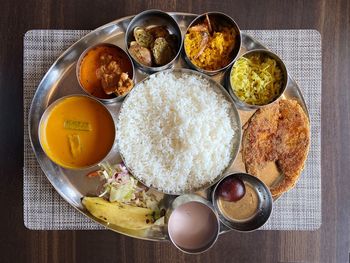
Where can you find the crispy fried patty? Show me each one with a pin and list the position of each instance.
(277, 133)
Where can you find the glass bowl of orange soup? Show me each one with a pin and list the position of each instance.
(76, 132)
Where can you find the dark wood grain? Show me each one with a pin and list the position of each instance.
(331, 243)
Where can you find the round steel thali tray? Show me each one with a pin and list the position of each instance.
(60, 80)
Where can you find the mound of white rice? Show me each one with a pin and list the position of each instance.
(175, 132)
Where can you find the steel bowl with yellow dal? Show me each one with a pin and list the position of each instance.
(76, 132)
(257, 78)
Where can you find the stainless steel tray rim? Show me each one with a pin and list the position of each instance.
(68, 59)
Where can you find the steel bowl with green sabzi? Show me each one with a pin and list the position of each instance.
(123, 201)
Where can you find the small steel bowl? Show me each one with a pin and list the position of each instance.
(78, 69)
(46, 114)
(244, 105)
(182, 204)
(153, 18)
(226, 20)
(263, 211)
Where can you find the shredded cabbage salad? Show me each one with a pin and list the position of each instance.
(122, 187)
(256, 79)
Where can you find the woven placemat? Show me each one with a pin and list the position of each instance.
(299, 209)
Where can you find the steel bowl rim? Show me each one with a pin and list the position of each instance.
(131, 26)
(258, 181)
(78, 66)
(239, 37)
(52, 106)
(214, 239)
(244, 105)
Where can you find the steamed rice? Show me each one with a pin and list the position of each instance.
(175, 132)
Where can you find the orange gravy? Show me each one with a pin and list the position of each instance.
(78, 132)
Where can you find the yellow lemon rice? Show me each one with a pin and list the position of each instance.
(257, 79)
(217, 53)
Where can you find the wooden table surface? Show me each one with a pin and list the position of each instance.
(328, 244)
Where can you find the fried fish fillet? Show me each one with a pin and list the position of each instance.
(277, 133)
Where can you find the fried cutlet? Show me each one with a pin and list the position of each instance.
(277, 133)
